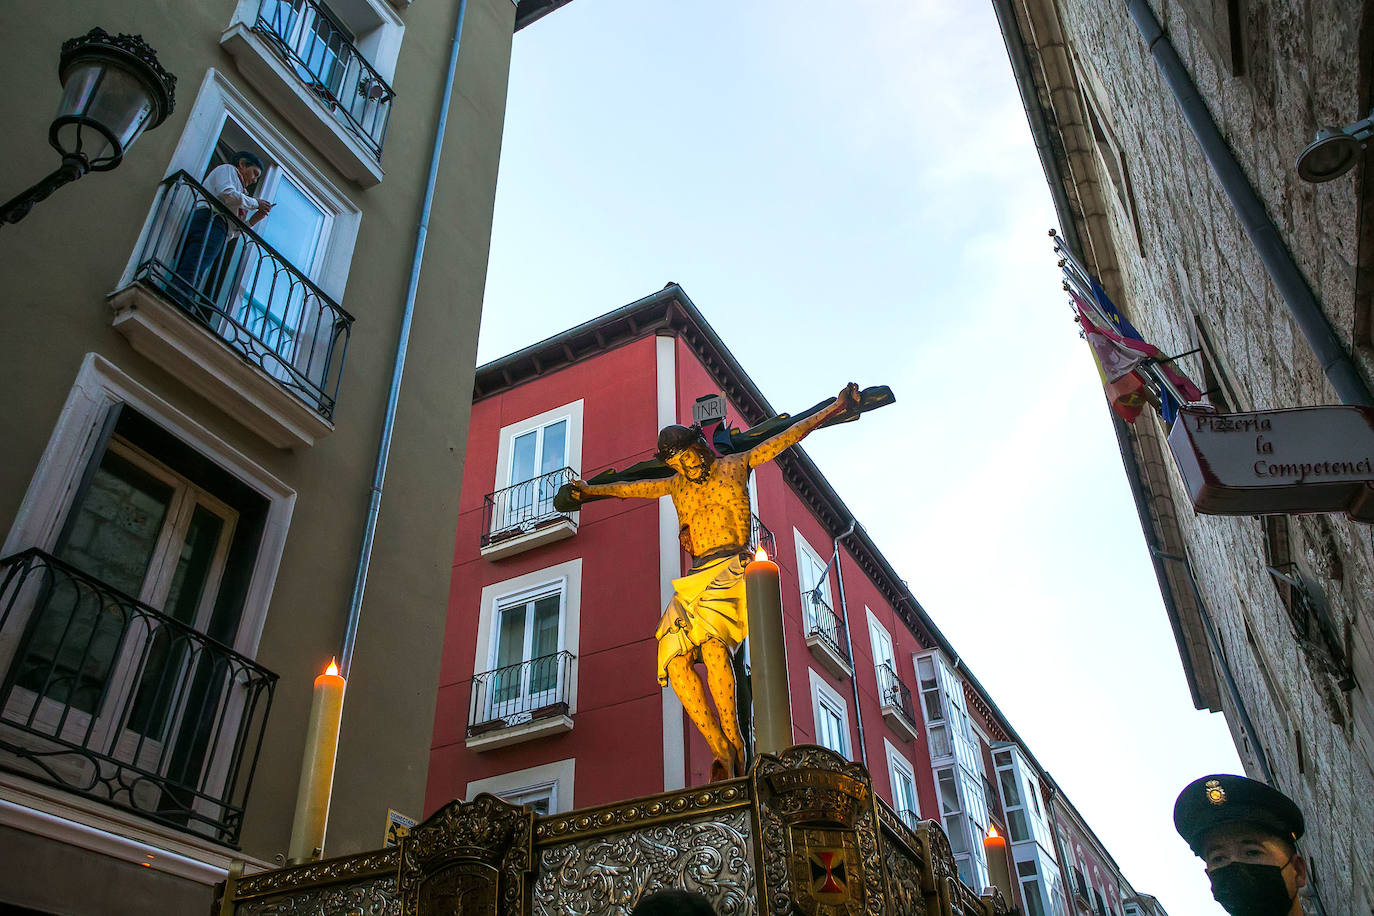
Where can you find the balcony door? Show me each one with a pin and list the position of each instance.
(525, 660)
(811, 569)
(86, 673)
(535, 455)
(276, 306)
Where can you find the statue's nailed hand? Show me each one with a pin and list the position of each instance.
(576, 490)
(849, 397)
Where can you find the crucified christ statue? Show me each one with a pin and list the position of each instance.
(706, 619)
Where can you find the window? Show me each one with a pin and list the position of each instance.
(548, 788)
(524, 671)
(1217, 387)
(527, 640)
(811, 570)
(932, 702)
(903, 776)
(327, 68)
(832, 716)
(141, 551)
(534, 458)
(1030, 888)
(1219, 24)
(543, 798)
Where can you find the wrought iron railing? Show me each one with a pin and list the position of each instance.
(760, 536)
(110, 699)
(909, 817)
(524, 692)
(216, 269)
(894, 693)
(523, 507)
(825, 624)
(309, 38)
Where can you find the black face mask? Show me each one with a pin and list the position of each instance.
(1247, 889)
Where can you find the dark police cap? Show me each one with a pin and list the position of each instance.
(1222, 799)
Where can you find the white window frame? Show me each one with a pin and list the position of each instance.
(569, 576)
(878, 634)
(218, 100)
(560, 775)
(572, 412)
(99, 386)
(804, 552)
(825, 696)
(898, 764)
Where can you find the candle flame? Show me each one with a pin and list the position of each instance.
(760, 554)
(333, 669)
(992, 832)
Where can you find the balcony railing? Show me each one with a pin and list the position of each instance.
(894, 693)
(522, 508)
(110, 699)
(826, 625)
(308, 37)
(760, 536)
(209, 263)
(516, 694)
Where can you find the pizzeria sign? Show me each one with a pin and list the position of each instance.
(1305, 459)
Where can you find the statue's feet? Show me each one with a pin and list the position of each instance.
(720, 770)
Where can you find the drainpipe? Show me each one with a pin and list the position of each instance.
(1307, 313)
(355, 604)
(849, 640)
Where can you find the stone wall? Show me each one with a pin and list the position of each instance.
(1174, 249)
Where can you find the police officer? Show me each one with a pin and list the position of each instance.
(1245, 833)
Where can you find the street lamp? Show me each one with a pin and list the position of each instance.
(113, 88)
(1334, 151)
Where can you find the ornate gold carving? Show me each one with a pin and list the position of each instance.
(809, 798)
(606, 875)
(938, 881)
(654, 809)
(375, 897)
(471, 857)
(903, 881)
(317, 874)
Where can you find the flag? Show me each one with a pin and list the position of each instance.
(1117, 360)
(1126, 333)
(1120, 352)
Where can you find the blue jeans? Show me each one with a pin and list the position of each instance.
(207, 234)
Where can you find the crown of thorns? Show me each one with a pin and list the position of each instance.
(674, 439)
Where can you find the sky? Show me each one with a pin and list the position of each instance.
(850, 192)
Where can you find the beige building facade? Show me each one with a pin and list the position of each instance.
(195, 401)
(1214, 244)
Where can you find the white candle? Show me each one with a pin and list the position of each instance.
(317, 768)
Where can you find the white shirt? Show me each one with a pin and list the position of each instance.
(224, 182)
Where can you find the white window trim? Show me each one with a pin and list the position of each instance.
(99, 385)
(898, 762)
(571, 412)
(570, 574)
(558, 586)
(560, 774)
(804, 548)
(875, 627)
(218, 99)
(821, 692)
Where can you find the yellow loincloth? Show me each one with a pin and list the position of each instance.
(708, 603)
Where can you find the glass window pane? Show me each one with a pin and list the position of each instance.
(510, 636)
(193, 566)
(522, 457)
(1010, 796)
(546, 611)
(1017, 822)
(555, 447)
(294, 226)
(115, 529)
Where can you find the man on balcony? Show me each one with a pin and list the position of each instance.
(208, 232)
(706, 620)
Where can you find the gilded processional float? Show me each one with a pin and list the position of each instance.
(786, 831)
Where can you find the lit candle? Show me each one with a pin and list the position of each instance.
(999, 872)
(317, 768)
(767, 655)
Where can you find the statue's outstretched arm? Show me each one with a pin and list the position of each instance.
(772, 447)
(630, 489)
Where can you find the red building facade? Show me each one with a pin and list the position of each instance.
(547, 693)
